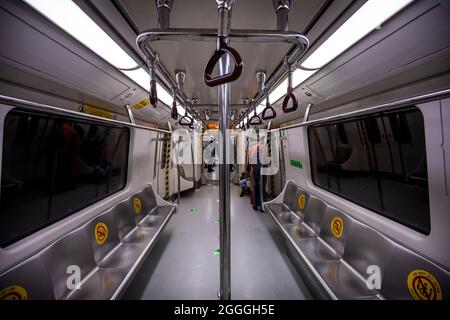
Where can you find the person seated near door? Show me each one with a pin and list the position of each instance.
(245, 190)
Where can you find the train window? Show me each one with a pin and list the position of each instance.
(54, 166)
(381, 165)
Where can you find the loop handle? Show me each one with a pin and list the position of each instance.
(268, 113)
(174, 113)
(186, 120)
(255, 120)
(290, 96)
(153, 94)
(272, 113)
(222, 49)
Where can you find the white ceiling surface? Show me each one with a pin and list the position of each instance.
(193, 56)
(411, 48)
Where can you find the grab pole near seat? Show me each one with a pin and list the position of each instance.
(224, 100)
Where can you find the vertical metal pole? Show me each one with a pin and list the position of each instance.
(178, 171)
(224, 97)
(130, 114)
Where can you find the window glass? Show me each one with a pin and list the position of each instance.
(54, 166)
(377, 161)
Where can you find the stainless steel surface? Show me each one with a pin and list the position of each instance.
(338, 266)
(178, 173)
(32, 275)
(143, 15)
(281, 4)
(307, 112)
(167, 77)
(180, 76)
(327, 235)
(266, 36)
(210, 35)
(163, 7)
(226, 4)
(223, 22)
(385, 106)
(164, 3)
(130, 114)
(224, 98)
(261, 80)
(314, 212)
(42, 107)
(282, 8)
(310, 270)
(182, 265)
(283, 19)
(163, 18)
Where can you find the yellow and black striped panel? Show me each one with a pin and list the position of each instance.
(269, 151)
(166, 163)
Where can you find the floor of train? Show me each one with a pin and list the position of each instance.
(183, 264)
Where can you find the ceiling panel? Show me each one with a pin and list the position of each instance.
(193, 56)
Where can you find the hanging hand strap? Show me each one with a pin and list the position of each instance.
(268, 113)
(290, 94)
(222, 49)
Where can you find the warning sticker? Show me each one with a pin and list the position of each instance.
(13, 293)
(302, 201)
(422, 285)
(95, 111)
(137, 205)
(141, 104)
(337, 227)
(101, 232)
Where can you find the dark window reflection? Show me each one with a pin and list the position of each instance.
(53, 167)
(376, 161)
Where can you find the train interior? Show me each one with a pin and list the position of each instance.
(217, 150)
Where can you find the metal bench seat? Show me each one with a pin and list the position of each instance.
(344, 281)
(107, 251)
(336, 254)
(278, 208)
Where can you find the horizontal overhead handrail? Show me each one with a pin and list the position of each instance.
(210, 35)
(44, 107)
(385, 106)
(299, 40)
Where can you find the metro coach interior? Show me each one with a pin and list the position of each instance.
(225, 149)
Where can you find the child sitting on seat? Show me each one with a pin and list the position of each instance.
(243, 184)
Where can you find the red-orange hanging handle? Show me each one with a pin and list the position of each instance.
(222, 49)
(153, 95)
(290, 94)
(268, 113)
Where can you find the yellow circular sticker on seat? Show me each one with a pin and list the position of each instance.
(13, 293)
(337, 227)
(302, 201)
(101, 232)
(422, 285)
(137, 205)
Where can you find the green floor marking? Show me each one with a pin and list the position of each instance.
(217, 252)
(194, 210)
(297, 164)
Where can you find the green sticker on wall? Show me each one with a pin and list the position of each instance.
(194, 210)
(217, 221)
(217, 252)
(297, 164)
